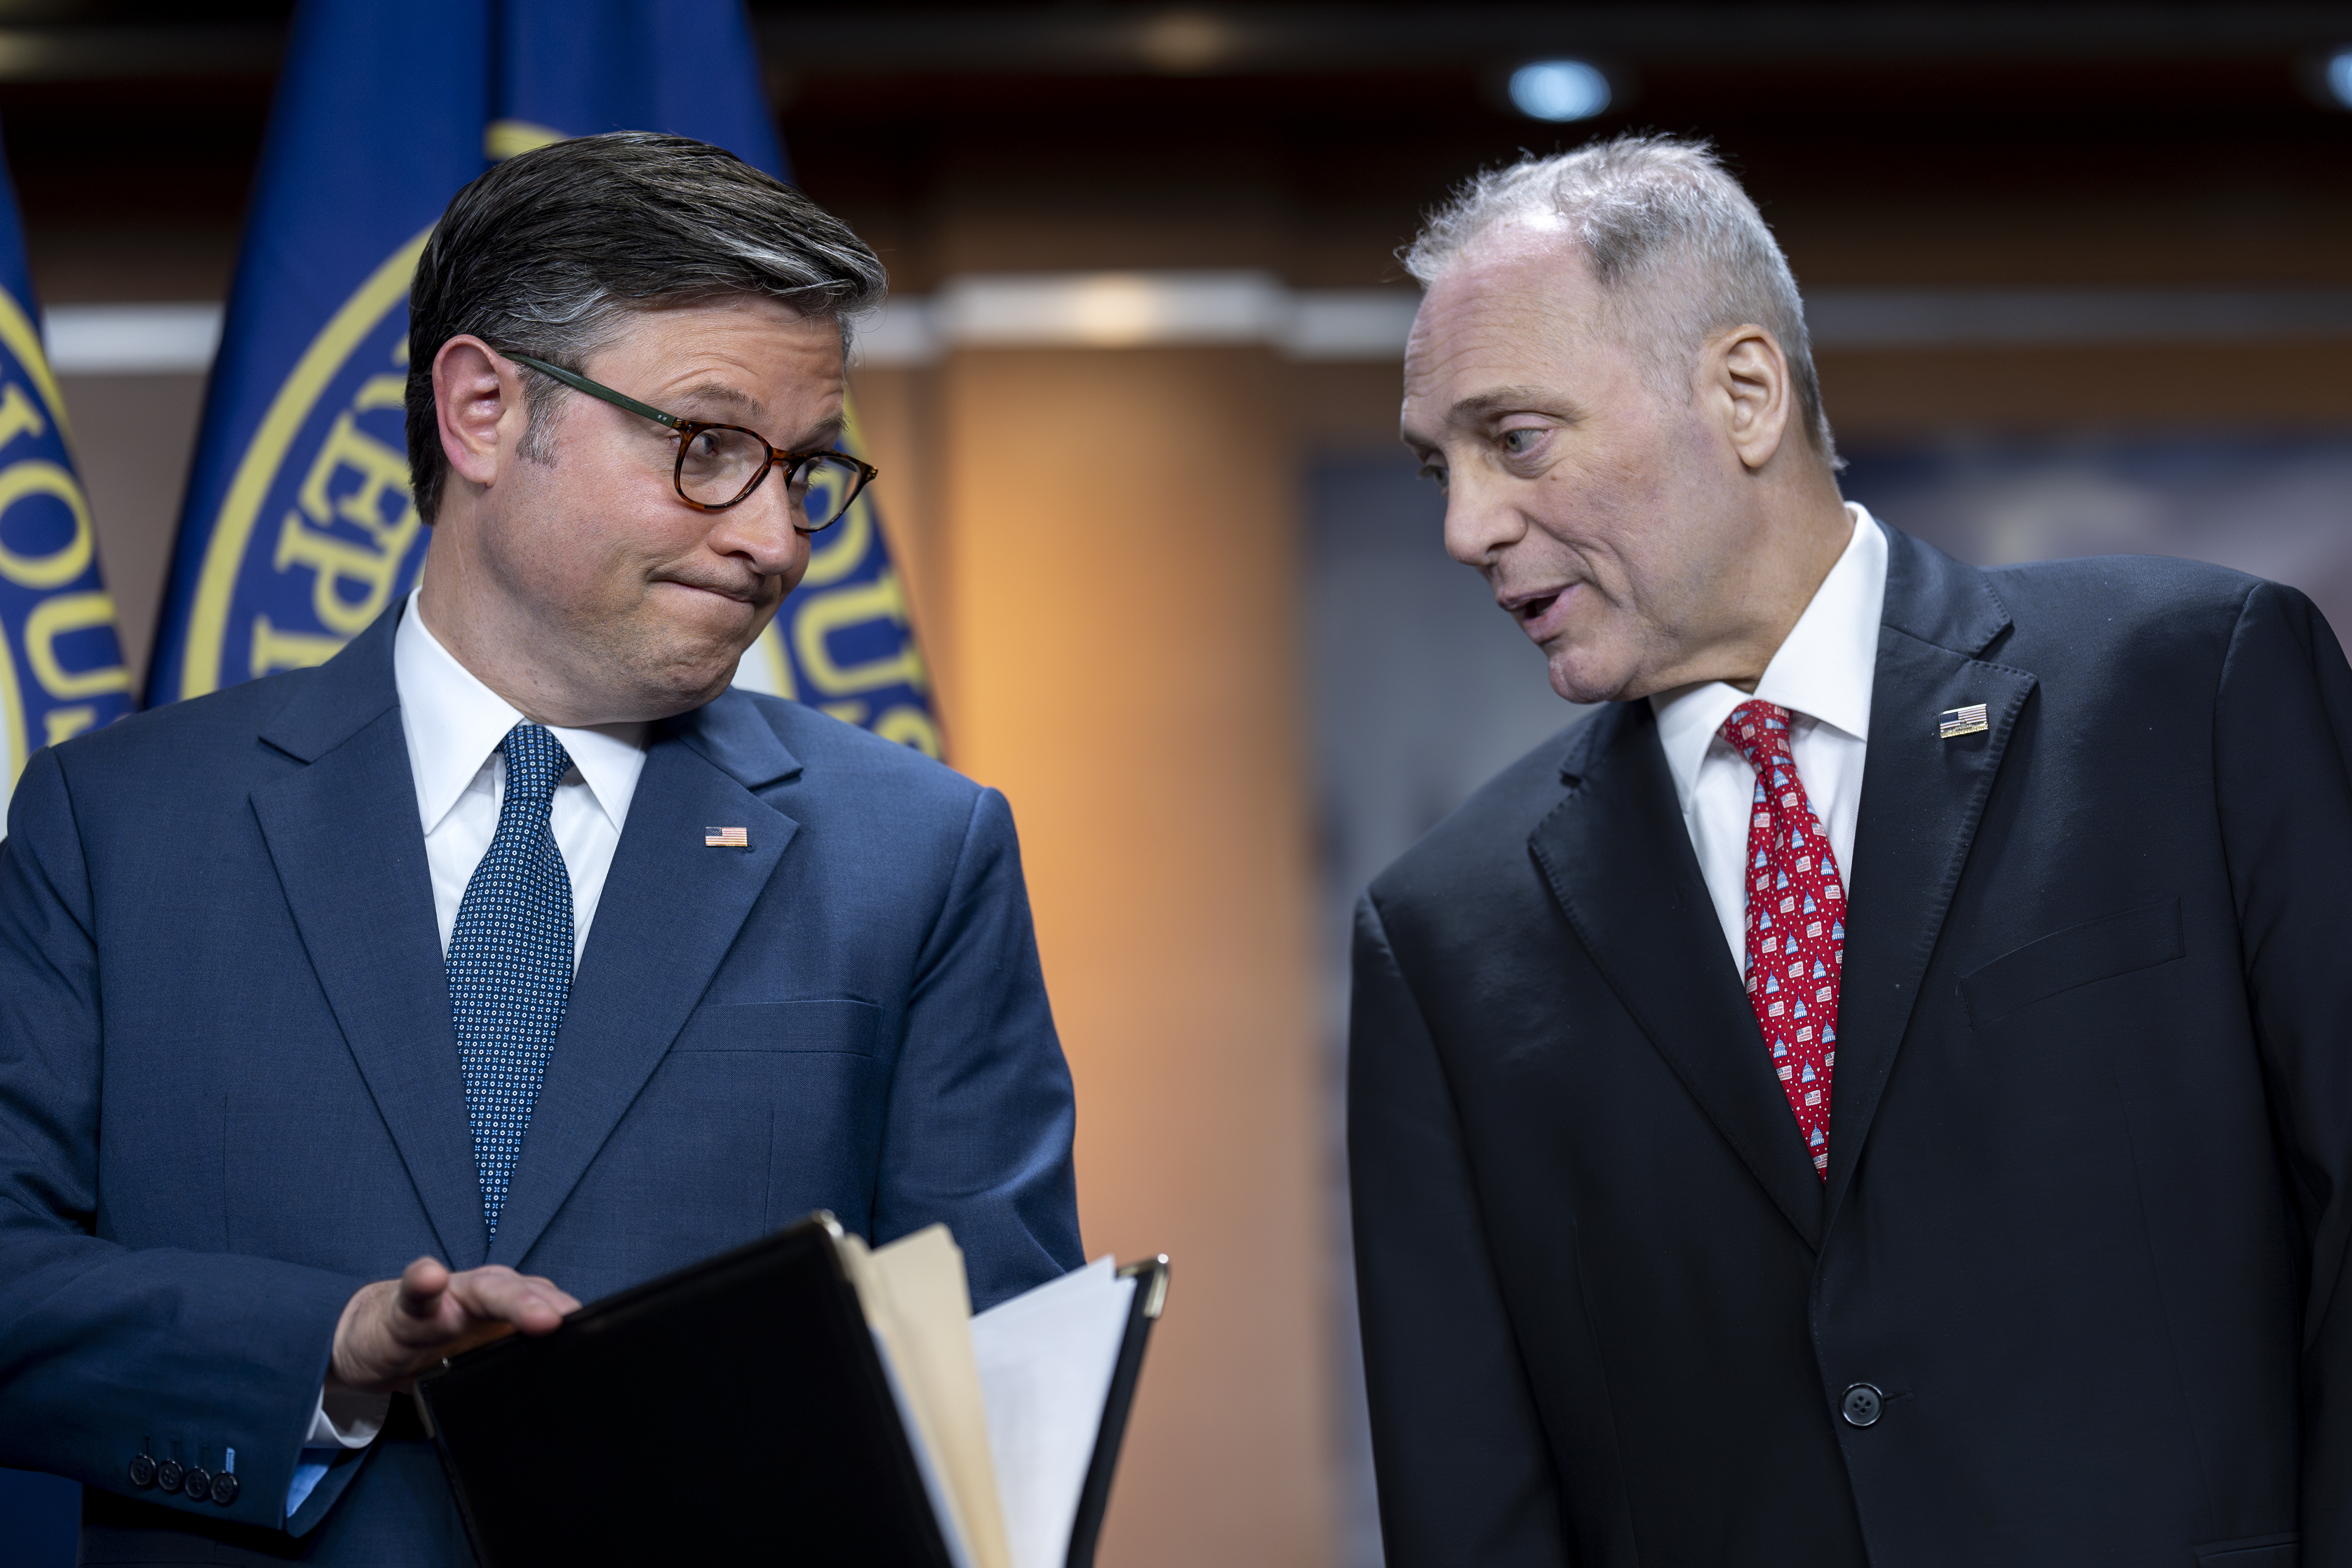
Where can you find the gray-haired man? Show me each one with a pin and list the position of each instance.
(511, 952)
(1879, 1089)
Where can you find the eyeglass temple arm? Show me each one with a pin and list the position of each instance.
(582, 383)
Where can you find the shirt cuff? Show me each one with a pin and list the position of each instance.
(308, 1473)
(346, 1420)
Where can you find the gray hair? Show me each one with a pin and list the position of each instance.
(550, 252)
(1670, 235)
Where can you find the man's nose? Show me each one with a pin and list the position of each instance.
(760, 528)
(1480, 522)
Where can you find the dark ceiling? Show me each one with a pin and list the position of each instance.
(151, 111)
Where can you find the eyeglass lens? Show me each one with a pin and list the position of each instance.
(823, 489)
(720, 463)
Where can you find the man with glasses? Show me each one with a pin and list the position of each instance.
(358, 1016)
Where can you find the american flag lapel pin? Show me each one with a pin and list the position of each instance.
(1954, 722)
(726, 838)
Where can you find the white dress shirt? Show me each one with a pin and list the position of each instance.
(1821, 674)
(454, 724)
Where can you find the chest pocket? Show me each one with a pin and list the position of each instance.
(2097, 950)
(839, 1027)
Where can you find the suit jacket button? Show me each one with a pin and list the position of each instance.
(168, 1474)
(142, 1471)
(1862, 1405)
(223, 1489)
(199, 1483)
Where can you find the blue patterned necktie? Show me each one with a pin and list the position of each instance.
(510, 961)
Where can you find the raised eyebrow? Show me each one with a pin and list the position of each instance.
(703, 395)
(1483, 407)
(1418, 442)
(820, 438)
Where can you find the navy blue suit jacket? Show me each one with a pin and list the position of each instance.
(2087, 1225)
(230, 1094)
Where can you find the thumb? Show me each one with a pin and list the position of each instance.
(423, 1286)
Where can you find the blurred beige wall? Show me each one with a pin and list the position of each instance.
(1122, 592)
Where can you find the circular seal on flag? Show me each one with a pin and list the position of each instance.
(317, 531)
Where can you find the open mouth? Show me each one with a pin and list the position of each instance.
(1533, 610)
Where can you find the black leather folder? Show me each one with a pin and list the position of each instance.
(734, 1412)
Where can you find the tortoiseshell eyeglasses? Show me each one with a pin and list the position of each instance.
(719, 465)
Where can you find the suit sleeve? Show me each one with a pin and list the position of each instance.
(1466, 1475)
(981, 1113)
(2283, 765)
(107, 1350)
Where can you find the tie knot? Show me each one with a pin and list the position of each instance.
(535, 760)
(1758, 731)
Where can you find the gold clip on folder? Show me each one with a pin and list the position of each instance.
(804, 1398)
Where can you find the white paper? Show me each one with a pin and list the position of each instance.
(1046, 1359)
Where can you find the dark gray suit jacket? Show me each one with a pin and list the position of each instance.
(2090, 1175)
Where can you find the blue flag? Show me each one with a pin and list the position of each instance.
(297, 528)
(61, 668)
(61, 672)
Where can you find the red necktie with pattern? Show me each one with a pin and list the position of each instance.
(1796, 923)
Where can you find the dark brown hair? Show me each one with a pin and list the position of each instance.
(548, 253)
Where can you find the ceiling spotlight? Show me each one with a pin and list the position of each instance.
(1572, 89)
(2339, 78)
(1185, 42)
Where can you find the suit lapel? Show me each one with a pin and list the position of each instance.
(1620, 861)
(350, 854)
(1922, 797)
(669, 911)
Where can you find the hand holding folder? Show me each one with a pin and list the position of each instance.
(805, 1398)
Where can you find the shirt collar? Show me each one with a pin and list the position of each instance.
(453, 724)
(1822, 669)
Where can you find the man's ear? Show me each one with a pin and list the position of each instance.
(477, 399)
(1750, 377)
